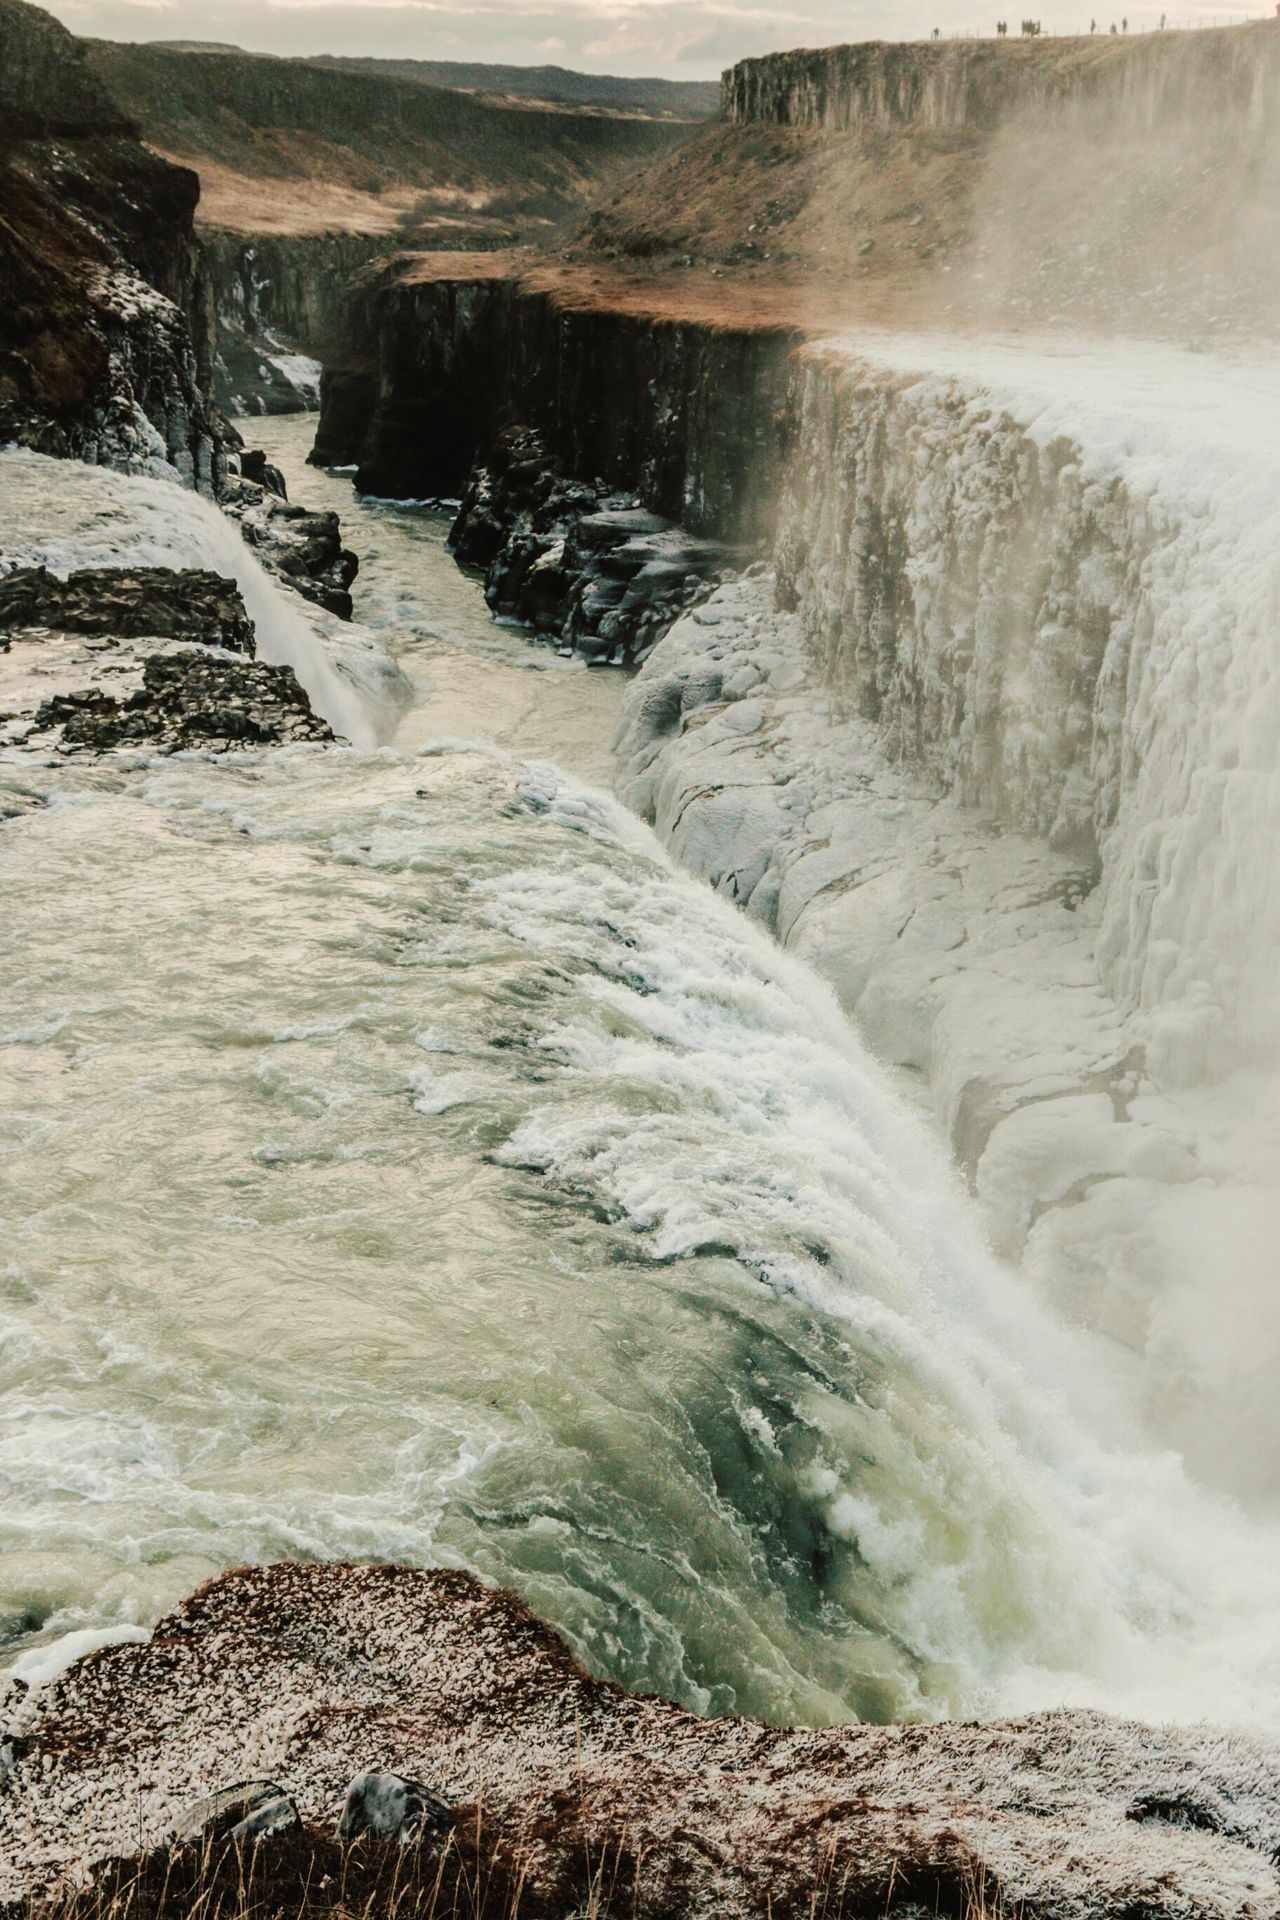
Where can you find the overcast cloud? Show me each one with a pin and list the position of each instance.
(687, 39)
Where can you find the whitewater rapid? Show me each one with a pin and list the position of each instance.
(403, 1159)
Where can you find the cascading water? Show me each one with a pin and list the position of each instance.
(61, 515)
(1009, 774)
(401, 1158)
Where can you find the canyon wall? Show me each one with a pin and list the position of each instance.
(692, 417)
(106, 331)
(974, 85)
(1118, 183)
(281, 303)
(310, 171)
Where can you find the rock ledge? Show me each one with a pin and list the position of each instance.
(304, 1676)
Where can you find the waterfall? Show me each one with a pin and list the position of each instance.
(62, 515)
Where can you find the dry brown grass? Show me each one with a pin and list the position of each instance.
(472, 1874)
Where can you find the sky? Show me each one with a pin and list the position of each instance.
(684, 39)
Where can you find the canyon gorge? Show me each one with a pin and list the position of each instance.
(638, 774)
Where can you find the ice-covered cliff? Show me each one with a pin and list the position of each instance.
(1005, 766)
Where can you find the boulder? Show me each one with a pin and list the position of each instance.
(387, 1806)
(573, 559)
(240, 1815)
(255, 466)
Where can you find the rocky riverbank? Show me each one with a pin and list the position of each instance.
(579, 564)
(140, 657)
(540, 1778)
(302, 546)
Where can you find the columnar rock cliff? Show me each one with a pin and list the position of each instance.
(281, 303)
(690, 416)
(973, 85)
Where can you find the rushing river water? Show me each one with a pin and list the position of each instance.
(399, 1158)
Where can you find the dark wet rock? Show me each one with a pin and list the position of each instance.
(387, 1806)
(612, 526)
(140, 656)
(106, 317)
(694, 417)
(191, 604)
(241, 1815)
(303, 546)
(574, 561)
(189, 699)
(255, 466)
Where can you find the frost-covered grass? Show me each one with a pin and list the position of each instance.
(470, 1874)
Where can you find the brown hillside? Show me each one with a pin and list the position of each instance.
(1111, 183)
(288, 147)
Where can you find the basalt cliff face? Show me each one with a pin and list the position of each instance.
(282, 303)
(1123, 184)
(310, 171)
(974, 85)
(106, 331)
(690, 416)
(565, 1794)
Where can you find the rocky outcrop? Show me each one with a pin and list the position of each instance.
(139, 656)
(689, 417)
(589, 569)
(105, 333)
(127, 602)
(582, 1795)
(970, 86)
(185, 700)
(301, 544)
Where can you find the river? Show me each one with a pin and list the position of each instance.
(402, 1159)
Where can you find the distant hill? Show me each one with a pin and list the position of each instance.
(290, 146)
(655, 98)
(560, 86)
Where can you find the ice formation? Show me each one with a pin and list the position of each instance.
(1009, 773)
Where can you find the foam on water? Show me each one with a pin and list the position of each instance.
(458, 1182)
(62, 515)
(401, 1158)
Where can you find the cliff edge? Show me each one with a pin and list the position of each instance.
(565, 1794)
